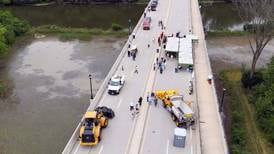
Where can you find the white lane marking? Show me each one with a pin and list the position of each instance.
(191, 146)
(119, 103)
(76, 150)
(167, 146)
(102, 100)
(101, 149)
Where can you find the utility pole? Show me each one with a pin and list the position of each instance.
(91, 95)
(222, 101)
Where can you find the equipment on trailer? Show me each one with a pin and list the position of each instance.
(181, 112)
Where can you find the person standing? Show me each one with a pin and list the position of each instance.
(128, 53)
(134, 56)
(137, 107)
(155, 102)
(131, 106)
(140, 101)
(136, 69)
(161, 69)
(145, 14)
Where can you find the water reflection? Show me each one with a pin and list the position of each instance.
(221, 16)
(51, 91)
(90, 16)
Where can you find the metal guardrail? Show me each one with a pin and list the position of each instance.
(73, 140)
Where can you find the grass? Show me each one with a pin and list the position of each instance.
(5, 88)
(222, 33)
(67, 33)
(251, 139)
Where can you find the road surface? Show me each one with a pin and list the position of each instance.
(152, 130)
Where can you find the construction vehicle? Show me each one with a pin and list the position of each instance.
(181, 112)
(94, 121)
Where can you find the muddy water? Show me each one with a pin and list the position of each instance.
(229, 52)
(51, 91)
(79, 16)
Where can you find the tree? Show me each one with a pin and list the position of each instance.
(259, 15)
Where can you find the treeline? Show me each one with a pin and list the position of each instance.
(8, 2)
(20, 2)
(10, 28)
(263, 99)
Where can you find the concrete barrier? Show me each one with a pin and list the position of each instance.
(73, 140)
(202, 37)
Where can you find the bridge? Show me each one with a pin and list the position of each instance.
(152, 130)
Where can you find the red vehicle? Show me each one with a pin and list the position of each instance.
(147, 23)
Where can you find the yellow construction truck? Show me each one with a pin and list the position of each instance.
(181, 112)
(94, 121)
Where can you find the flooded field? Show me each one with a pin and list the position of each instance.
(229, 52)
(51, 91)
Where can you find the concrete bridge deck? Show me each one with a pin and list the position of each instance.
(152, 130)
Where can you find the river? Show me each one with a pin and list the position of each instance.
(221, 16)
(51, 91)
(89, 16)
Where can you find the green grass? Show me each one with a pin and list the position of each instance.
(67, 33)
(222, 33)
(246, 137)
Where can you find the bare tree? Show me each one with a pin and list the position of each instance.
(259, 15)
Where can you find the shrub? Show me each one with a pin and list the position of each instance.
(116, 27)
(262, 96)
(248, 82)
(10, 27)
(5, 2)
(3, 48)
(9, 37)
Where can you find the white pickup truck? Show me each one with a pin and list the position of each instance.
(115, 84)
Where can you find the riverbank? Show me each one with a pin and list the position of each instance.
(66, 33)
(245, 135)
(227, 56)
(225, 33)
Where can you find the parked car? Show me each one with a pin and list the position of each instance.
(153, 6)
(115, 84)
(147, 23)
(154, 2)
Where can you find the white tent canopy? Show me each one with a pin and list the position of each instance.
(172, 44)
(182, 46)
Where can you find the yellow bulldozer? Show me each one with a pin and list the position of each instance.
(94, 121)
(181, 113)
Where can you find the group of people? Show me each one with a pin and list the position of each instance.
(135, 107)
(151, 98)
(160, 64)
(132, 52)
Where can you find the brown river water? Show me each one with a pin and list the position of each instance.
(51, 91)
(232, 52)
